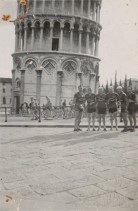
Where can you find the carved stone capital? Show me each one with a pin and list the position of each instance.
(39, 73)
(79, 74)
(92, 75)
(22, 71)
(60, 72)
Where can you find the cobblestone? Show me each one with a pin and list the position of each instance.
(56, 169)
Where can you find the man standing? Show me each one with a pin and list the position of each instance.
(35, 109)
(91, 108)
(79, 102)
(32, 107)
(64, 104)
(123, 101)
(112, 103)
(131, 108)
(101, 107)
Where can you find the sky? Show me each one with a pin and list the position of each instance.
(118, 49)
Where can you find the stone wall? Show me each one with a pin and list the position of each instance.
(60, 75)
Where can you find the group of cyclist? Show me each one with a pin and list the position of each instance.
(103, 103)
(95, 105)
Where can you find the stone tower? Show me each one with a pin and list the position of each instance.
(56, 49)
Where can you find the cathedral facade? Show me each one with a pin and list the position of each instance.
(56, 49)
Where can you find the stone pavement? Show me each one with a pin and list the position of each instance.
(18, 121)
(51, 169)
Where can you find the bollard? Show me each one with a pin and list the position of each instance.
(39, 117)
(5, 114)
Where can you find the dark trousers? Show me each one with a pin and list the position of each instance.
(78, 116)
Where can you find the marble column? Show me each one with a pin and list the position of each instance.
(22, 86)
(98, 14)
(78, 80)
(72, 8)
(96, 46)
(38, 85)
(71, 39)
(13, 88)
(51, 34)
(18, 8)
(93, 43)
(63, 6)
(61, 38)
(78, 75)
(19, 40)
(53, 4)
(96, 83)
(88, 41)
(92, 81)
(16, 40)
(94, 11)
(25, 38)
(80, 39)
(89, 8)
(59, 88)
(41, 37)
(34, 7)
(43, 6)
(32, 38)
(82, 1)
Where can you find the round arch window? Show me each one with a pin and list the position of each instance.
(49, 66)
(69, 67)
(31, 65)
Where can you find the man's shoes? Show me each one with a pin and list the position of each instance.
(124, 130)
(132, 129)
(105, 129)
(93, 129)
(79, 129)
(75, 130)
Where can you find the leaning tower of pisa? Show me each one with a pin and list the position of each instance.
(56, 49)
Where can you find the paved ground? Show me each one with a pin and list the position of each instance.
(56, 169)
(18, 121)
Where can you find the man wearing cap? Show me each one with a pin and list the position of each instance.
(131, 108)
(112, 103)
(79, 102)
(101, 107)
(123, 101)
(91, 108)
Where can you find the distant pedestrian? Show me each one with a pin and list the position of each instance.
(36, 108)
(64, 104)
(71, 110)
(33, 108)
(48, 107)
